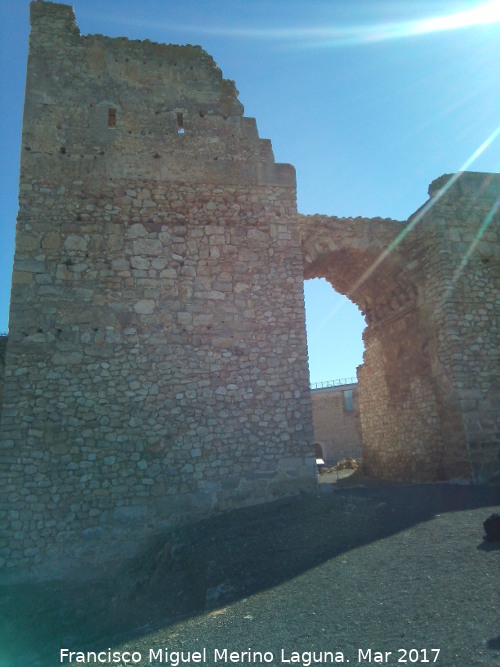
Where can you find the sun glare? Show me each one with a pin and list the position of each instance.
(484, 14)
(480, 14)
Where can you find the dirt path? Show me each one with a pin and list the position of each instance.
(354, 568)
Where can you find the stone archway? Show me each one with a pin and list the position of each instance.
(424, 415)
(352, 256)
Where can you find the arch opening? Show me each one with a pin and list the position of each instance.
(334, 327)
(410, 388)
(399, 402)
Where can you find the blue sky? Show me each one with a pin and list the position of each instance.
(370, 100)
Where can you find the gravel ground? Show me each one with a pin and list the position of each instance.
(367, 574)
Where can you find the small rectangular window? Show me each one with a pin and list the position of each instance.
(180, 123)
(348, 401)
(111, 118)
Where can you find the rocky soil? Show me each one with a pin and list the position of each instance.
(363, 564)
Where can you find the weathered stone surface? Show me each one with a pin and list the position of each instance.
(143, 367)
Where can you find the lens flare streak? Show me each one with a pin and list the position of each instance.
(483, 14)
(426, 208)
(484, 226)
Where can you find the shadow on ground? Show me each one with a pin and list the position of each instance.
(210, 563)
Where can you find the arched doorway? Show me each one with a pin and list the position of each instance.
(404, 407)
(334, 328)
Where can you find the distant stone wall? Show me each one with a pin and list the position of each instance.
(337, 425)
(157, 361)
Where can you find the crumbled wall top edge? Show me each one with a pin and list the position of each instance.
(48, 11)
(466, 181)
(55, 17)
(325, 219)
(52, 23)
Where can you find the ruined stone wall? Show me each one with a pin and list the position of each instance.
(399, 411)
(363, 259)
(429, 289)
(461, 296)
(337, 428)
(157, 364)
(428, 387)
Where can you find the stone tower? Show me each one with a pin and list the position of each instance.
(156, 366)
